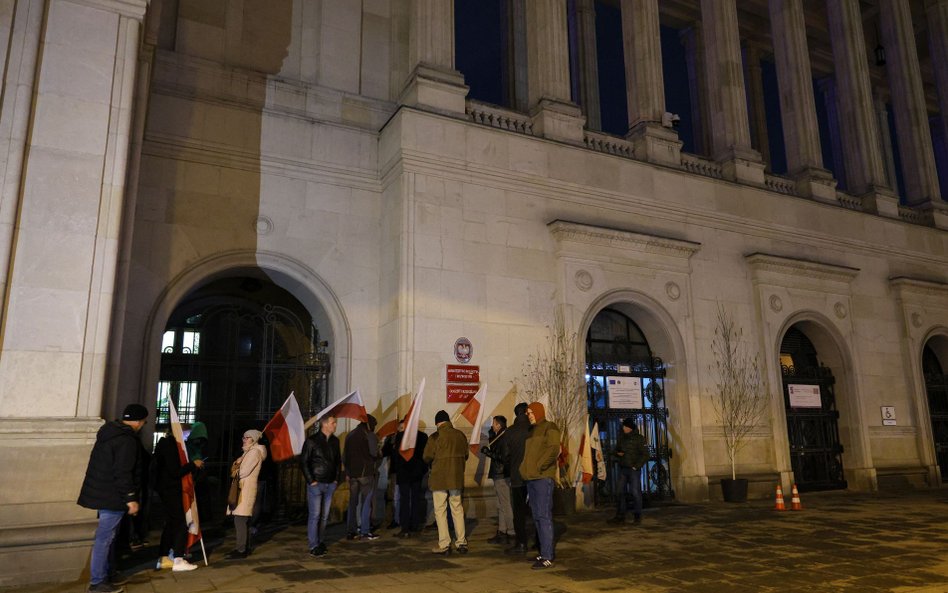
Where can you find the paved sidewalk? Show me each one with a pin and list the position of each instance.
(840, 542)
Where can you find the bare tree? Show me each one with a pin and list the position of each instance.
(556, 374)
(740, 400)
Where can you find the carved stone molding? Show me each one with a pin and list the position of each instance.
(564, 231)
(916, 287)
(840, 310)
(776, 303)
(673, 291)
(762, 263)
(584, 280)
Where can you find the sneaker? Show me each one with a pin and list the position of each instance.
(351, 535)
(369, 536)
(462, 549)
(182, 565)
(443, 551)
(164, 562)
(237, 554)
(106, 588)
(322, 546)
(318, 551)
(541, 563)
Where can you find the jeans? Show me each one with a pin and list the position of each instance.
(541, 503)
(109, 522)
(441, 500)
(318, 499)
(361, 491)
(633, 479)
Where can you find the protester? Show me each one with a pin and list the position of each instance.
(498, 451)
(631, 453)
(112, 486)
(409, 478)
(516, 437)
(446, 451)
(538, 470)
(247, 469)
(169, 470)
(322, 467)
(360, 458)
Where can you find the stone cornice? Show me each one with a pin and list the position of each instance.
(46, 429)
(134, 9)
(931, 288)
(625, 240)
(762, 262)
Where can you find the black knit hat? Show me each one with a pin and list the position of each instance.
(630, 422)
(441, 416)
(135, 412)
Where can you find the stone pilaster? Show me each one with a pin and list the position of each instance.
(753, 75)
(554, 115)
(730, 128)
(885, 138)
(61, 275)
(433, 83)
(588, 63)
(865, 173)
(936, 12)
(801, 130)
(697, 88)
(517, 55)
(827, 87)
(645, 87)
(908, 102)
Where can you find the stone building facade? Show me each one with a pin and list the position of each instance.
(332, 150)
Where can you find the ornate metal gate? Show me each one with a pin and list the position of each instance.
(615, 346)
(231, 364)
(812, 423)
(936, 386)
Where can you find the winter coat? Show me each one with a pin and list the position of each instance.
(320, 458)
(446, 451)
(633, 449)
(409, 471)
(499, 452)
(361, 454)
(114, 474)
(540, 453)
(168, 468)
(516, 436)
(247, 467)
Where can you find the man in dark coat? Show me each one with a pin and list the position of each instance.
(322, 466)
(112, 487)
(631, 453)
(498, 450)
(446, 451)
(409, 478)
(360, 459)
(516, 437)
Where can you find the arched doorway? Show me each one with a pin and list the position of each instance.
(618, 353)
(231, 352)
(934, 355)
(809, 391)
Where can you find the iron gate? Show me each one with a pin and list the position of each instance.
(936, 386)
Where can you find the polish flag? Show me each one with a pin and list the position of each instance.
(188, 498)
(595, 446)
(286, 431)
(407, 448)
(387, 429)
(474, 413)
(350, 406)
(585, 455)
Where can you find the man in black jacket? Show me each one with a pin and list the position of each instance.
(498, 450)
(516, 437)
(169, 470)
(360, 458)
(111, 487)
(409, 477)
(322, 466)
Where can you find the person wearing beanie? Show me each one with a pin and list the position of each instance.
(538, 470)
(447, 452)
(246, 469)
(111, 487)
(631, 454)
(361, 459)
(409, 476)
(516, 437)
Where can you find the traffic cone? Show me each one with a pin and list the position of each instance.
(780, 506)
(795, 504)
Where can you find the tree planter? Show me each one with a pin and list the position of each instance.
(734, 490)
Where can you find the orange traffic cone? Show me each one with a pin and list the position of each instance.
(780, 506)
(795, 504)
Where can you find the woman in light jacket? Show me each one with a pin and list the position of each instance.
(247, 467)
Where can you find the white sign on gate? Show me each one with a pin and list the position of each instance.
(625, 392)
(805, 396)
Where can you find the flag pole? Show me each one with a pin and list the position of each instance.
(203, 551)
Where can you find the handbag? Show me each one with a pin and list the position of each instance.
(233, 495)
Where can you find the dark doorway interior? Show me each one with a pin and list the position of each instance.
(936, 386)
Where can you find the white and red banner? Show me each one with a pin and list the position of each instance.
(350, 406)
(596, 446)
(188, 498)
(407, 448)
(585, 455)
(473, 412)
(286, 431)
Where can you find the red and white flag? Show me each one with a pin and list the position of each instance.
(407, 448)
(285, 431)
(188, 498)
(349, 406)
(473, 412)
(595, 445)
(585, 455)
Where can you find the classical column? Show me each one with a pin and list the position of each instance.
(936, 12)
(801, 130)
(61, 262)
(697, 88)
(908, 104)
(885, 138)
(517, 55)
(554, 114)
(645, 87)
(588, 63)
(827, 86)
(753, 75)
(730, 128)
(433, 83)
(865, 172)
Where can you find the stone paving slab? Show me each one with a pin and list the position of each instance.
(841, 542)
